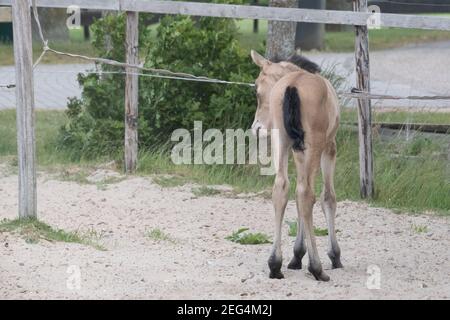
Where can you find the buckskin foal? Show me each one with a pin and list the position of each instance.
(302, 106)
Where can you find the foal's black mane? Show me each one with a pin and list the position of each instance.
(300, 61)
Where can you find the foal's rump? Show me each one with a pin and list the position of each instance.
(300, 106)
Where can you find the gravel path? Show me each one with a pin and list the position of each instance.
(198, 262)
(413, 70)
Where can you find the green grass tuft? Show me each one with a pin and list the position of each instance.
(204, 191)
(158, 235)
(170, 181)
(293, 227)
(419, 228)
(33, 230)
(243, 237)
(319, 232)
(292, 231)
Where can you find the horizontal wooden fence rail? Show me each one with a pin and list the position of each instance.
(251, 12)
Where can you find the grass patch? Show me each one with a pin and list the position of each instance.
(403, 182)
(319, 232)
(158, 235)
(32, 231)
(47, 128)
(419, 228)
(243, 237)
(292, 228)
(204, 191)
(350, 115)
(81, 176)
(72, 46)
(104, 184)
(75, 175)
(49, 157)
(170, 181)
(385, 38)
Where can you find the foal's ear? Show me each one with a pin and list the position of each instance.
(258, 59)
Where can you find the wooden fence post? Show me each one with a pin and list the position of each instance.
(364, 106)
(26, 148)
(131, 93)
(256, 21)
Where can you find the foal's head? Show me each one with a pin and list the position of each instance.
(271, 72)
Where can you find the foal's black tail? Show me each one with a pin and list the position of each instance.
(292, 118)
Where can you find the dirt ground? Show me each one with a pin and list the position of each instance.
(197, 262)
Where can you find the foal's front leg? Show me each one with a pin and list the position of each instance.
(280, 199)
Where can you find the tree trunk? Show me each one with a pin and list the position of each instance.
(310, 35)
(281, 34)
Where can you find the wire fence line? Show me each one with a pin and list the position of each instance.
(354, 94)
(7, 86)
(168, 74)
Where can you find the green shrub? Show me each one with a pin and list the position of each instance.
(205, 46)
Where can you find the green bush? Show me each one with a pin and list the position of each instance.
(205, 46)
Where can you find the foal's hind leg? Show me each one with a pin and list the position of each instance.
(307, 165)
(280, 199)
(299, 246)
(328, 201)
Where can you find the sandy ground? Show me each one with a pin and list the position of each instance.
(199, 262)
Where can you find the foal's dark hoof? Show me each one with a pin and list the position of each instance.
(295, 264)
(276, 275)
(336, 264)
(319, 275)
(335, 260)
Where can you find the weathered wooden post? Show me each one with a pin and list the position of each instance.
(256, 21)
(26, 147)
(364, 105)
(131, 93)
